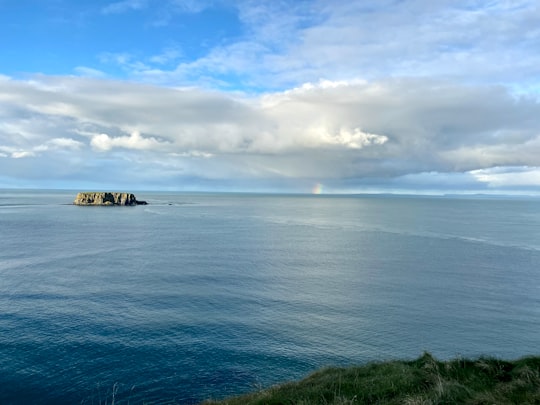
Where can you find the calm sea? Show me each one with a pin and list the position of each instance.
(200, 296)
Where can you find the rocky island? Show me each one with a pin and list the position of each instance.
(107, 198)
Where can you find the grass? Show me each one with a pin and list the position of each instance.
(424, 381)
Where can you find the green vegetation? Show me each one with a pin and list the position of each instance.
(419, 382)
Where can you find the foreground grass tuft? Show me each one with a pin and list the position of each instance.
(424, 381)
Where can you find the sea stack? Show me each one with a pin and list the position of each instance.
(107, 198)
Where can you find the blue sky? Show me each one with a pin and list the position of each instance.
(409, 96)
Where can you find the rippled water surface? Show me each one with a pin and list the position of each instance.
(201, 296)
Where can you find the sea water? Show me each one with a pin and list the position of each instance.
(199, 296)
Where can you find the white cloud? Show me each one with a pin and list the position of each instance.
(104, 142)
(192, 153)
(355, 139)
(6, 151)
(22, 154)
(55, 144)
(66, 143)
(497, 177)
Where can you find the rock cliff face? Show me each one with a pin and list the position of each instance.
(107, 198)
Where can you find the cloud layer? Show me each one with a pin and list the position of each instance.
(348, 135)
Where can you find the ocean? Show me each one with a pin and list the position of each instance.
(199, 296)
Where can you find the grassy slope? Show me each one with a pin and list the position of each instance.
(420, 382)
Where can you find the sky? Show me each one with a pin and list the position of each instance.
(302, 96)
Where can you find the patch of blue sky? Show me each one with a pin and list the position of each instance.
(59, 36)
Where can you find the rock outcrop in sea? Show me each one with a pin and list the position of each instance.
(107, 198)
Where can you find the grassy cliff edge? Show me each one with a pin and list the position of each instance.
(418, 382)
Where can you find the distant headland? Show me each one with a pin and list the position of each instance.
(107, 198)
